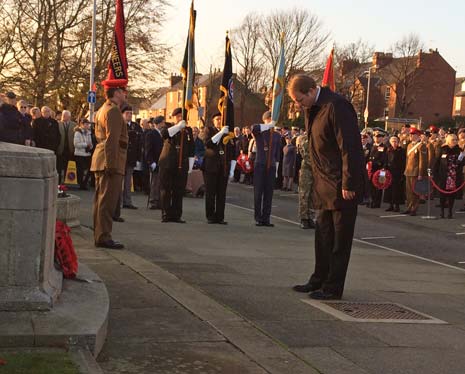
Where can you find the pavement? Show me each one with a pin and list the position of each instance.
(200, 298)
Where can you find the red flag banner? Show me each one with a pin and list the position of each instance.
(328, 77)
(118, 64)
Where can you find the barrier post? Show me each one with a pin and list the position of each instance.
(428, 200)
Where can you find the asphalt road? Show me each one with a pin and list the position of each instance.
(440, 240)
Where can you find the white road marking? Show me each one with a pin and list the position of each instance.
(378, 237)
(460, 233)
(289, 194)
(394, 215)
(462, 262)
(459, 212)
(369, 243)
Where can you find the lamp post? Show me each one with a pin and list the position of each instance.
(365, 114)
(92, 60)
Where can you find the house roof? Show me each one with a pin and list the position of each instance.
(160, 103)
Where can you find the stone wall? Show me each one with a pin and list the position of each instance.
(28, 190)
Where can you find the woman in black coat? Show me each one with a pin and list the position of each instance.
(448, 173)
(396, 158)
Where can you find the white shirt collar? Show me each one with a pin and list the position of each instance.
(318, 90)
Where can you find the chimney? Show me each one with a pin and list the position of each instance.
(175, 79)
(381, 59)
(348, 65)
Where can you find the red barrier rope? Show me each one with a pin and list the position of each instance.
(444, 191)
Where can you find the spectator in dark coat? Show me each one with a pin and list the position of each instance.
(46, 131)
(395, 163)
(26, 121)
(289, 163)
(448, 173)
(152, 150)
(11, 126)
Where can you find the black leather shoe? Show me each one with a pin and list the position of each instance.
(211, 222)
(164, 220)
(110, 244)
(259, 224)
(268, 224)
(179, 220)
(153, 207)
(222, 222)
(306, 288)
(118, 219)
(406, 212)
(323, 295)
(129, 207)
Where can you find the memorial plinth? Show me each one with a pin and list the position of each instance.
(28, 193)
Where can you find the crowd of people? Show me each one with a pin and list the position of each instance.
(413, 159)
(409, 155)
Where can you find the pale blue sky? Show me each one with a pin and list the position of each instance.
(440, 24)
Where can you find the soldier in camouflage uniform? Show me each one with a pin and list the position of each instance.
(306, 212)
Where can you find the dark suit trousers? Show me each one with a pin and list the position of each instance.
(172, 188)
(154, 198)
(263, 183)
(215, 195)
(107, 192)
(333, 243)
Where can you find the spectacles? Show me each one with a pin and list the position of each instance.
(24, 107)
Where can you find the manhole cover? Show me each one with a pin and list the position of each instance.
(372, 312)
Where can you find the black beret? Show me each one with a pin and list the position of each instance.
(158, 120)
(217, 114)
(126, 108)
(176, 112)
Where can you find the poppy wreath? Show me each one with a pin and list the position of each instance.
(65, 255)
(382, 182)
(244, 163)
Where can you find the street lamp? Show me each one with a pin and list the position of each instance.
(365, 114)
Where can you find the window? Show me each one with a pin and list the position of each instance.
(179, 97)
(458, 104)
(386, 112)
(200, 93)
(171, 97)
(387, 93)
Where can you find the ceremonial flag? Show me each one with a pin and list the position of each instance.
(188, 65)
(118, 64)
(226, 101)
(278, 88)
(328, 77)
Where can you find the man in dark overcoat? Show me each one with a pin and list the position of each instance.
(337, 163)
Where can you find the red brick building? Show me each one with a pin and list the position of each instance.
(417, 87)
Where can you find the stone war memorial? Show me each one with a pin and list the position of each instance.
(38, 307)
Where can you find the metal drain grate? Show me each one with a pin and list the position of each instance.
(372, 312)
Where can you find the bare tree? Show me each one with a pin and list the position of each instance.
(52, 44)
(245, 44)
(402, 72)
(8, 24)
(304, 40)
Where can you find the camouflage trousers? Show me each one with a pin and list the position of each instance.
(306, 211)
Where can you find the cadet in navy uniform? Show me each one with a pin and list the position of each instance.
(218, 165)
(173, 178)
(268, 144)
(378, 158)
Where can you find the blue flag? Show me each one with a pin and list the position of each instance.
(278, 88)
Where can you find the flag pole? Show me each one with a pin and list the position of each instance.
(92, 60)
